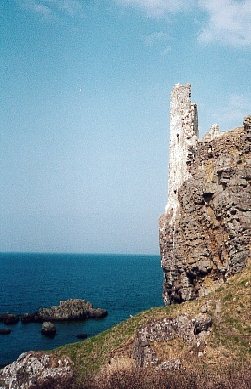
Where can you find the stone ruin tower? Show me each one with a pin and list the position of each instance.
(183, 140)
(205, 232)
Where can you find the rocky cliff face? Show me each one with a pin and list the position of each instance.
(209, 240)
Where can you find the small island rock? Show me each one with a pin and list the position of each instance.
(48, 329)
(30, 318)
(73, 309)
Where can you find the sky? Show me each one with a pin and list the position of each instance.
(84, 108)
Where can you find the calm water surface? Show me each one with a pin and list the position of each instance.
(122, 284)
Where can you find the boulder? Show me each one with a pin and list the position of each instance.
(48, 329)
(190, 330)
(202, 322)
(36, 370)
(9, 318)
(5, 331)
(97, 313)
(30, 318)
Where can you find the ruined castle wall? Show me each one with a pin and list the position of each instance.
(209, 238)
(183, 139)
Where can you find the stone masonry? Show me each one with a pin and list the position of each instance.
(183, 140)
(206, 229)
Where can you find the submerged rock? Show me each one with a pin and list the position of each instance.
(5, 331)
(36, 370)
(82, 336)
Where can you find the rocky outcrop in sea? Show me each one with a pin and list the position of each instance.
(38, 370)
(73, 309)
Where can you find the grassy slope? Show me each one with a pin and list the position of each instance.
(229, 341)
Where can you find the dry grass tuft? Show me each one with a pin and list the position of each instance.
(233, 378)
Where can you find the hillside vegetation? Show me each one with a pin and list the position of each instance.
(227, 346)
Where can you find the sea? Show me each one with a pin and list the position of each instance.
(122, 284)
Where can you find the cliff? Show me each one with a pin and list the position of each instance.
(205, 253)
(206, 229)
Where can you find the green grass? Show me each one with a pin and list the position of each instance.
(230, 338)
(90, 355)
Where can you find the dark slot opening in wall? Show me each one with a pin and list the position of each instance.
(207, 196)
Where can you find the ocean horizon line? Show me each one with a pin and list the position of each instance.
(76, 253)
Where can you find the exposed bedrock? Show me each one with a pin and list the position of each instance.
(191, 330)
(36, 370)
(209, 240)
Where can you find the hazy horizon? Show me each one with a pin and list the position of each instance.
(78, 253)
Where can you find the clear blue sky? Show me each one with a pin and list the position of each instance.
(84, 102)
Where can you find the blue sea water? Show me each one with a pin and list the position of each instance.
(122, 284)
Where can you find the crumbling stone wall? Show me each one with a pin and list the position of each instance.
(183, 140)
(209, 239)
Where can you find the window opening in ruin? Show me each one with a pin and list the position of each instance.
(207, 196)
